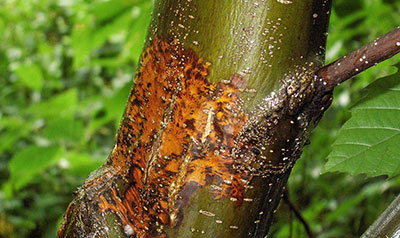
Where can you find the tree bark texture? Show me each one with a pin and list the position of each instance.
(223, 100)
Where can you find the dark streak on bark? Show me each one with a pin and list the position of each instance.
(319, 31)
(262, 229)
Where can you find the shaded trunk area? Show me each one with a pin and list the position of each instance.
(222, 103)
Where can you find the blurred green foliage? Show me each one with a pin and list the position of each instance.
(66, 68)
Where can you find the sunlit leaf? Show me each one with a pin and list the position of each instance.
(11, 130)
(65, 130)
(31, 76)
(82, 164)
(105, 10)
(136, 37)
(58, 106)
(81, 41)
(27, 163)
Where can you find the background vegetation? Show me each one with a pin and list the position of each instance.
(66, 68)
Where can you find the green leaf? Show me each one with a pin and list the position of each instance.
(65, 130)
(103, 32)
(81, 38)
(108, 9)
(12, 129)
(136, 37)
(112, 110)
(58, 106)
(369, 141)
(81, 164)
(28, 163)
(31, 76)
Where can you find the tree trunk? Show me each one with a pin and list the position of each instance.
(223, 100)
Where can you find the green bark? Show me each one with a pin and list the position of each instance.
(263, 39)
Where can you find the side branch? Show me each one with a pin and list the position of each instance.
(357, 61)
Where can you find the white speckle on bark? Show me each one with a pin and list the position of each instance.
(128, 230)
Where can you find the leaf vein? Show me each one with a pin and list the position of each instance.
(362, 151)
(370, 127)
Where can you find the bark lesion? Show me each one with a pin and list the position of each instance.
(162, 161)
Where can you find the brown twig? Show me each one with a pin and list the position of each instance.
(290, 224)
(298, 215)
(357, 61)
